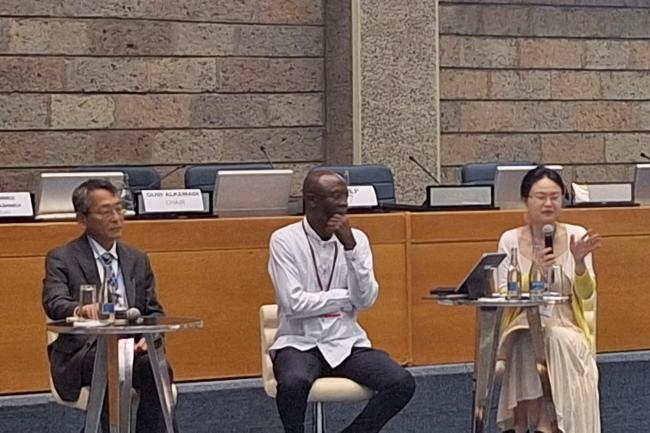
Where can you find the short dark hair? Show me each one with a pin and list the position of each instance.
(536, 174)
(81, 194)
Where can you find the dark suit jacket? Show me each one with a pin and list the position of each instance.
(68, 267)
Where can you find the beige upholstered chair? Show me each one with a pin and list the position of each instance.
(82, 401)
(323, 390)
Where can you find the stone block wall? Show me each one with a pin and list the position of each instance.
(553, 81)
(159, 82)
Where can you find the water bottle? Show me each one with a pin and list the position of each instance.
(536, 277)
(106, 302)
(514, 276)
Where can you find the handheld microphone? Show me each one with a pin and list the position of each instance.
(132, 313)
(644, 155)
(424, 169)
(549, 232)
(266, 155)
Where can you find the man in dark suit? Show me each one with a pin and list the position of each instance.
(96, 255)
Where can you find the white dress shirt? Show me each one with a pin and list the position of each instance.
(310, 317)
(98, 250)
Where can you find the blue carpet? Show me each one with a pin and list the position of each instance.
(442, 404)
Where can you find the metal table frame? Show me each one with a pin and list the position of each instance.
(489, 314)
(113, 368)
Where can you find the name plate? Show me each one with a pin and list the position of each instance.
(362, 196)
(459, 195)
(602, 192)
(172, 200)
(15, 204)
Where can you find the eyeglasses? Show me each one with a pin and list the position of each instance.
(108, 212)
(554, 198)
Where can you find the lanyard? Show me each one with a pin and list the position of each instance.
(313, 258)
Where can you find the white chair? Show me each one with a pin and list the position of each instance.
(323, 390)
(82, 401)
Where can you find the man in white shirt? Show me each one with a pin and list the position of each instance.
(92, 259)
(322, 272)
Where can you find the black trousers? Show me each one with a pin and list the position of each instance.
(149, 418)
(295, 371)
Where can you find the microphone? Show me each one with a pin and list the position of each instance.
(132, 313)
(166, 175)
(266, 155)
(549, 232)
(644, 155)
(424, 169)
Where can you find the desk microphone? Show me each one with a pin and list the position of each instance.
(166, 175)
(549, 232)
(266, 155)
(644, 155)
(424, 169)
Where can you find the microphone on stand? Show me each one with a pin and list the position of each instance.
(266, 155)
(166, 175)
(644, 155)
(549, 233)
(424, 169)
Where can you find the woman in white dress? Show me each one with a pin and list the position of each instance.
(569, 347)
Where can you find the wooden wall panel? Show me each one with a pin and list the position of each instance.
(23, 340)
(442, 334)
(215, 269)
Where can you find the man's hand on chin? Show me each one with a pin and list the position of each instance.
(340, 226)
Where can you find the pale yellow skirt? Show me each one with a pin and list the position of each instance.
(573, 374)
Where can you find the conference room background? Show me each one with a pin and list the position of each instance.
(163, 83)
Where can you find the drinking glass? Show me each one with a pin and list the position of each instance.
(87, 294)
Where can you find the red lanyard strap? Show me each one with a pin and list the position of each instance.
(313, 258)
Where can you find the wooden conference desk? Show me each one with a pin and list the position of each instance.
(215, 269)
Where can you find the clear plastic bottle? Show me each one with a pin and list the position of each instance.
(514, 276)
(536, 279)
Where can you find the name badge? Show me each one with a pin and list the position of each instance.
(546, 311)
(172, 200)
(15, 204)
(362, 196)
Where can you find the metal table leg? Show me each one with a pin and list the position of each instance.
(488, 322)
(537, 337)
(119, 369)
(97, 388)
(125, 364)
(158, 362)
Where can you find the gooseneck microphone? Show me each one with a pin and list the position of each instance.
(166, 175)
(266, 155)
(424, 169)
(549, 232)
(644, 155)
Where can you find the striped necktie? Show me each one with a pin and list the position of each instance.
(110, 278)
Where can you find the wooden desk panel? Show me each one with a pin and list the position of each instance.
(23, 340)
(445, 246)
(216, 269)
(442, 334)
